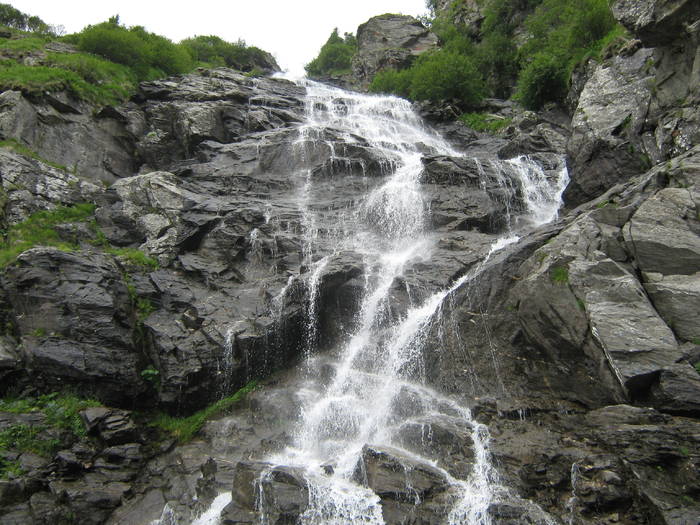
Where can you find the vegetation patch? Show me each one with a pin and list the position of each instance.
(560, 275)
(562, 34)
(185, 428)
(61, 412)
(212, 51)
(335, 56)
(484, 122)
(39, 230)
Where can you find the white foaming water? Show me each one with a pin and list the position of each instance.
(382, 358)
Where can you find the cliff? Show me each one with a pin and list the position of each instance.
(233, 235)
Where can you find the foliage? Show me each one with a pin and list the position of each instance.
(212, 51)
(560, 275)
(11, 17)
(435, 76)
(544, 79)
(36, 80)
(392, 81)
(185, 428)
(335, 56)
(485, 122)
(39, 229)
(148, 55)
(61, 411)
(152, 375)
(134, 256)
(562, 33)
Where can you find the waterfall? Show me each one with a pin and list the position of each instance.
(377, 389)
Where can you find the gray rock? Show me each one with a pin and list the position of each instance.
(396, 476)
(31, 186)
(664, 234)
(677, 390)
(656, 22)
(74, 316)
(604, 148)
(67, 135)
(389, 41)
(677, 299)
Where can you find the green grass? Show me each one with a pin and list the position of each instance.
(61, 410)
(21, 149)
(36, 80)
(19, 46)
(560, 275)
(185, 428)
(134, 256)
(484, 122)
(39, 230)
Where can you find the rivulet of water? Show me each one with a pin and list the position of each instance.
(382, 359)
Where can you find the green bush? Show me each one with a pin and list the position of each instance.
(212, 51)
(148, 55)
(445, 75)
(335, 56)
(392, 81)
(484, 122)
(545, 79)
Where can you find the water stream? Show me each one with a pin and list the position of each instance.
(378, 371)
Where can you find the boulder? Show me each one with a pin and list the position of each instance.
(605, 147)
(389, 41)
(73, 314)
(656, 22)
(677, 299)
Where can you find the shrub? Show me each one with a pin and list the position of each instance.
(335, 56)
(212, 51)
(392, 81)
(545, 79)
(484, 122)
(442, 75)
(147, 54)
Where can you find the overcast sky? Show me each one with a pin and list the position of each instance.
(292, 30)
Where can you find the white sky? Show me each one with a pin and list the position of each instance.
(292, 30)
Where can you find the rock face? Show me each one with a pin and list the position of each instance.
(574, 347)
(640, 107)
(389, 41)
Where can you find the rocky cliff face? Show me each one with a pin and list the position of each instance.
(574, 347)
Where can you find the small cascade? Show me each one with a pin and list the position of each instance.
(376, 393)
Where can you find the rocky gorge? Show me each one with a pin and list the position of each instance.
(511, 364)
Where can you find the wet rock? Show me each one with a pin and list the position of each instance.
(73, 313)
(67, 135)
(393, 475)
(677, 299)
(663, 234)
(113, 426)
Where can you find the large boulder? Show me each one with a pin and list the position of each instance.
(389, 41)
(656, 22)
(74, 316)
(605, 147)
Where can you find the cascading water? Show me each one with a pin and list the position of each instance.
(381, 365)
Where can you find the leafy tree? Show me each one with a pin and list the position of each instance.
(14, 18)
(335, 56)
(544, 79)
